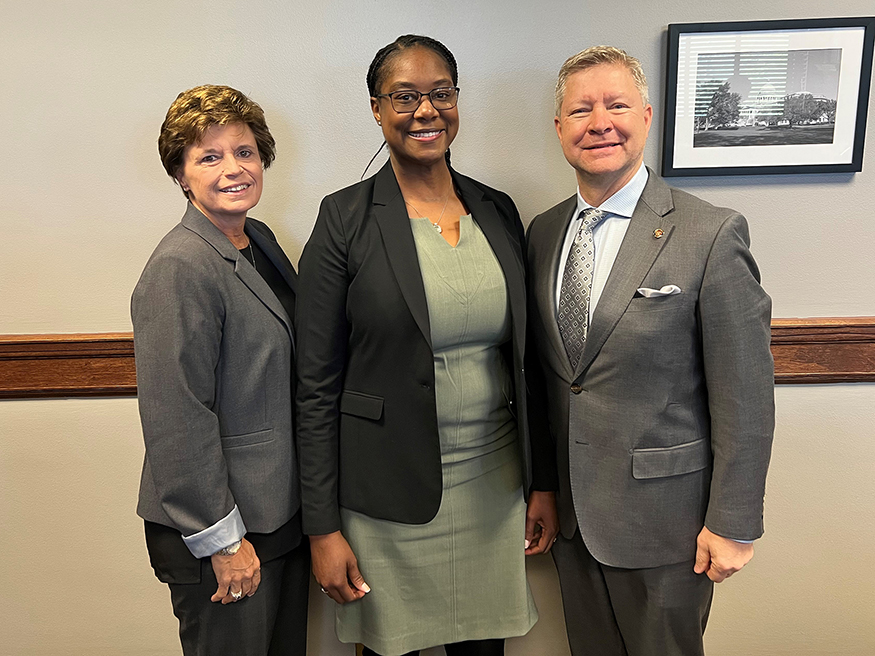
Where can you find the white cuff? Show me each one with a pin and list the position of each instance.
(225, 532)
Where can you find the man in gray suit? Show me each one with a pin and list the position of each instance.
(651, 335)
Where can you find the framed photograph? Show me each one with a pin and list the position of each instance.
(766, 97)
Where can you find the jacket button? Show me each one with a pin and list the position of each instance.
(577, 389)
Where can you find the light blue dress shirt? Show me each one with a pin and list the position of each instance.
(607, 235)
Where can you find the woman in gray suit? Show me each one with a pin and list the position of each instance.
(213, 339)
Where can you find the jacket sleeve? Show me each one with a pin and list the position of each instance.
(323, 335)
(177, 315)
(545, 475)
(735, 315)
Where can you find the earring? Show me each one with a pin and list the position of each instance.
(380, 123)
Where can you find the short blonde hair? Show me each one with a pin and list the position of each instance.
(595, 56)
(196, 110)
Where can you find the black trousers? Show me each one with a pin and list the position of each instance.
(468, 648)
(272, 622)
(630, 612)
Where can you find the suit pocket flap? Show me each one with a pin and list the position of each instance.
(361, 405)
(671, 461)
(247, 439)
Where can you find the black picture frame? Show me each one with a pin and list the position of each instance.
(738, 96)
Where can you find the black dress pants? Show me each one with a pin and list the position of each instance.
(468, 648)
(272, 622)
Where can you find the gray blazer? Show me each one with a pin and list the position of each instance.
(666, 424)
(214, 351)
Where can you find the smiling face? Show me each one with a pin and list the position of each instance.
(422, 137)
(223, 173)
(603, 126)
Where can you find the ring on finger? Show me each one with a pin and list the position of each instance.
(237, 595)
(324, 590)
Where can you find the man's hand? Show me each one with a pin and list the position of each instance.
(336, 568)
(238, 575)
(542, 522)
(720, 557)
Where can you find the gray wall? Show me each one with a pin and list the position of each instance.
(86, 85)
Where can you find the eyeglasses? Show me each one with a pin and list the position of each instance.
(408, 101)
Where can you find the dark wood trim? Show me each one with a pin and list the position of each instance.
(44, 366)
(815, 350)
(824, 350)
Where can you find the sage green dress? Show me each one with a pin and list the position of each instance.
(462, 576)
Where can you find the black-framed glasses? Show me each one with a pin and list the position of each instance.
(407, 101)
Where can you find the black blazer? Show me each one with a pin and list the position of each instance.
(367, 418)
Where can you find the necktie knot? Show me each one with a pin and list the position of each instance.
(592, 216)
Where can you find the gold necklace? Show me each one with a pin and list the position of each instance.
(436, 226)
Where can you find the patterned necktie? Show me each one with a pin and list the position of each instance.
(577, 285)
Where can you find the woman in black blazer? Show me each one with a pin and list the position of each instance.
(390, 500)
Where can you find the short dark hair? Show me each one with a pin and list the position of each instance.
(378, 69)
(196, 110)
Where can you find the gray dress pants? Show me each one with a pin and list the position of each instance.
(660, 611)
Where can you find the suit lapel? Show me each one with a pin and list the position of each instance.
(278, 258)
(391, 216)
(636, 256)
(195, 221)
(276, 255)
(545, 290)
(497, 233)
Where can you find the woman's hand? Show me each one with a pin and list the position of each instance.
(238, 575)
(542, 522)
(336, 569)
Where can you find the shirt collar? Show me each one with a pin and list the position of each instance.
(624, 201)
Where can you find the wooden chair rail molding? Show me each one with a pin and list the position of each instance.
(824, 350)
(80, 364)
(815, 350)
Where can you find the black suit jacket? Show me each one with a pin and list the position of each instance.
(367, 419)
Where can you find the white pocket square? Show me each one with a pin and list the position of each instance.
(668, 290)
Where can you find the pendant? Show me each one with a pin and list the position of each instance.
(437, 227)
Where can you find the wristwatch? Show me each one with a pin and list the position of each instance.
(230, 550)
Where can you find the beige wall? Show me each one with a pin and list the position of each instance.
(85, 87)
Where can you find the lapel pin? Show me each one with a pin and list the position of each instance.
(658, 233)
